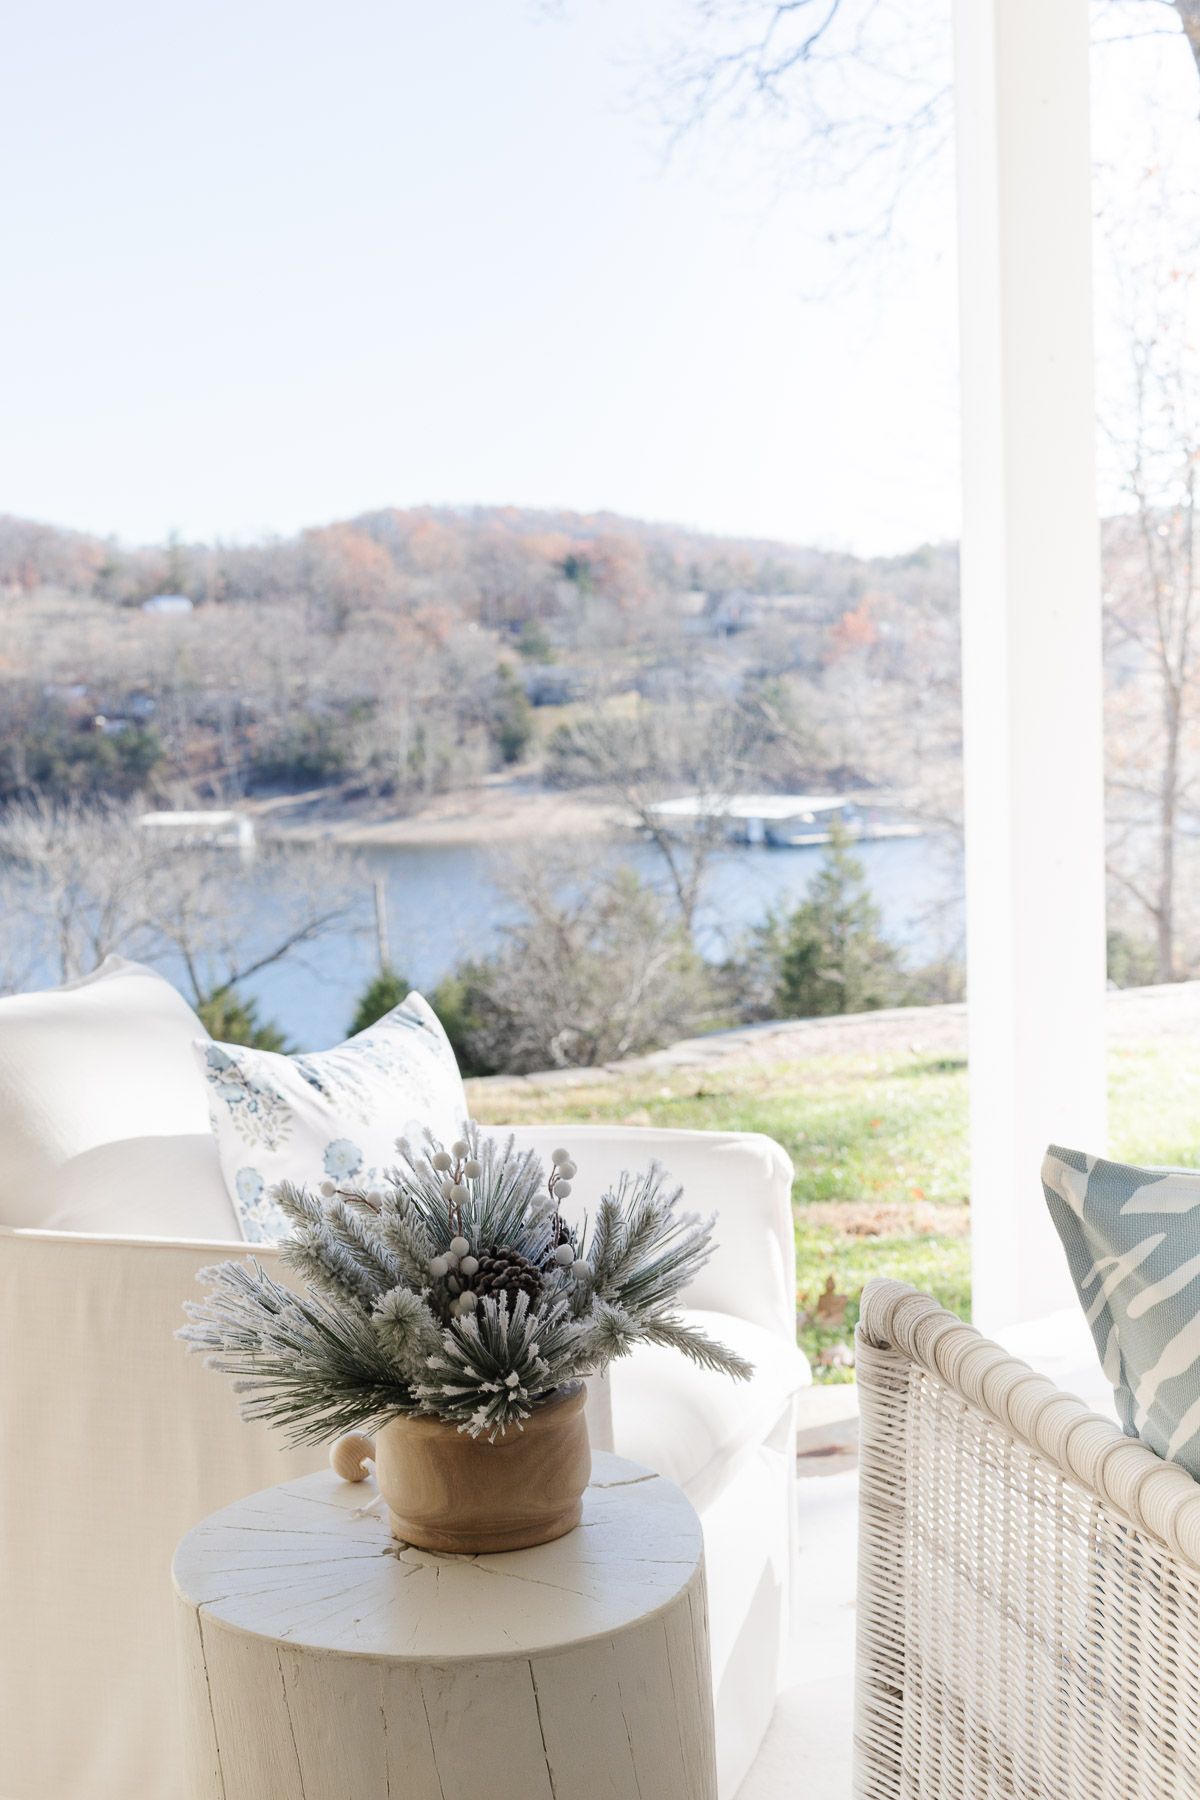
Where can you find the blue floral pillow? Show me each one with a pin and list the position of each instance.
(333, 1115)
(1132, 1238)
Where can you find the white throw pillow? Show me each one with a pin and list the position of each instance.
(331, 1115)
(103, 1117)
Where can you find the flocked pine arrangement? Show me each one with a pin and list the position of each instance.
(455, 1290)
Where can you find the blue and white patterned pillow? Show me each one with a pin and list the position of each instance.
(334, 1114)
(1132, 1238)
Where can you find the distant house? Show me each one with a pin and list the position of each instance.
(549, 684)
(721, 615)
(170, 605)
(703, 673)
(730, 613)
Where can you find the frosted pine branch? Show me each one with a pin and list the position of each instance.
(407, 1238)
(359, 1236)
(313, 1368)
(675, 1334)
(298, 1206)
(612, 1332)
(406, 1329)
(493, 1367)
(328, 1267)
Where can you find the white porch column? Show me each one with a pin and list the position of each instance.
(1031, 633)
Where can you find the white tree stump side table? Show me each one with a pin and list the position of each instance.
(323, 1661)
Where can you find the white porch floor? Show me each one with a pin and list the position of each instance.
(808, 1751)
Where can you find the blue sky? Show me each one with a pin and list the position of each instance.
(269, 264)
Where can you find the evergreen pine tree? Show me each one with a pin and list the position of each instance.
(383, 992)
(231, 1018)
(829, 955)
(510, 716)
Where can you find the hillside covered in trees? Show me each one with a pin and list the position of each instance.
(362, 669)
(403, 653)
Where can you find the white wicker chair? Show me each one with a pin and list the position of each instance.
(1029, 1581)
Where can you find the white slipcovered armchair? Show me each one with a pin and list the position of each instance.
(114, 1442)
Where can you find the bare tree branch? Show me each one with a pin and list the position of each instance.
(88, 883)
(845, 85)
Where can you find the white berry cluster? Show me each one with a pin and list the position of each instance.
(456, 1265)
(558, 1189)
(459, 1262)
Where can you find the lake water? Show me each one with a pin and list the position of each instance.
(443, 905)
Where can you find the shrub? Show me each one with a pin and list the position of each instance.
(581, 979)
(934, 983)
(383, 992)
(57, 759)
(232, 1018)
(461, 1003)
(510, 716)
(1132, 962)
(535, 643)
(310, 749)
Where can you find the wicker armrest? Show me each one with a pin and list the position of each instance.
(1029, 1581)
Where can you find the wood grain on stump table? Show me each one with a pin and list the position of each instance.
(321, 1660)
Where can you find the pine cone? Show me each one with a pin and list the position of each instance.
(506, 1272)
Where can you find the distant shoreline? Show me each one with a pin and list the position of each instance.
(500, 810)
(497, 811)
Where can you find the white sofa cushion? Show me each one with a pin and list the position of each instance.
(103, 1116)
(694, 1426)
(331, 1115)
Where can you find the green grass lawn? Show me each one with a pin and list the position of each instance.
(880, 1149)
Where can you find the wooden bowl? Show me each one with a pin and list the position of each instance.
(447, 1491)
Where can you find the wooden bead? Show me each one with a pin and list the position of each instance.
(349, 1456)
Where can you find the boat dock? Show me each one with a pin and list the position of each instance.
(787, 821)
